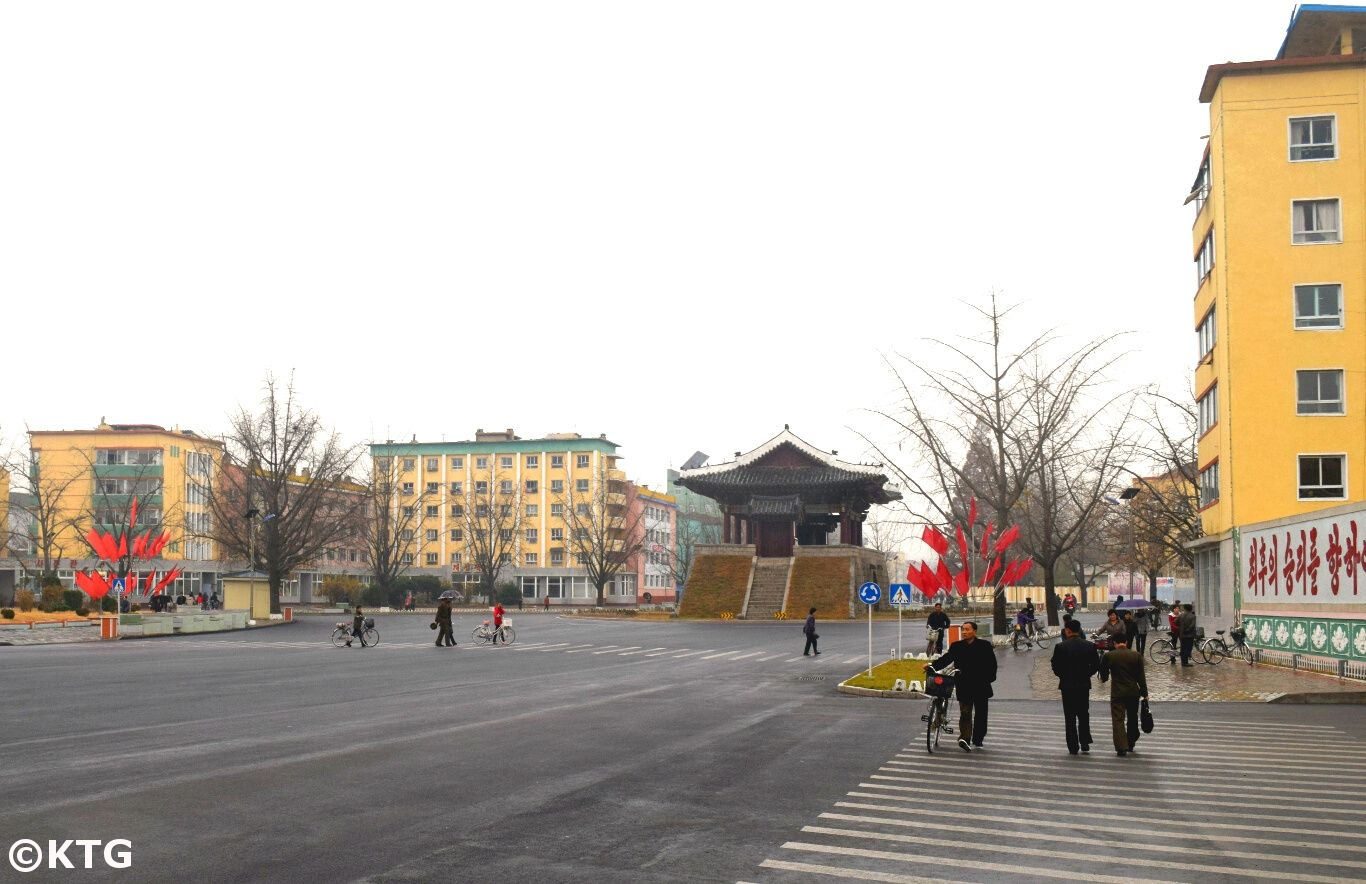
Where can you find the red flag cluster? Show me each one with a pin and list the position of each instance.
(997, 572)
(113, 549)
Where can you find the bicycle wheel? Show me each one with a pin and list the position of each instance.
(371, 637)
(1015, 641)
(1043, 638)
(339, 637)
(932, 727)
(479, 634)
(1213, 652)
(1245, 651)
(1161, 651)
(509, 635)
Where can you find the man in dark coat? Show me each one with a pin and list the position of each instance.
(1124, 669)
(444, 636)
(1186, 630)
(938, 620)
(975, 661)
(809, 628)
(1074, 662)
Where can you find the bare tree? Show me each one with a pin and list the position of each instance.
(392, 519)
(1165, 512)
(50, 500)
(966, 424)
(1076, 464)
(603, 531)
(491, 518)
(283, 495)
(886, 533)
(693, 531)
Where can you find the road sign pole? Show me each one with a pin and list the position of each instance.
(870, 641)
(899, 609)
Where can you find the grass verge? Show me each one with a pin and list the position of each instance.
(885, 674)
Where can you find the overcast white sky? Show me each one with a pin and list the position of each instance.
(679, 224)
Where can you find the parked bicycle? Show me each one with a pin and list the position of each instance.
(939, 685)
(1166, 650)
(1216, 649)
(488, 634)
(343, 636)
(1030, 635)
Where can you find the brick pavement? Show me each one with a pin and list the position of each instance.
(48, 635)
(1229, 681)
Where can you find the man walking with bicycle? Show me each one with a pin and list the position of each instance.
(975, 661)
(1074, 662)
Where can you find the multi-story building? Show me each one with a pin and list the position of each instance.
(1280, 294)
(699, 519)
(93, 475)
(654, 517)
(529, 480)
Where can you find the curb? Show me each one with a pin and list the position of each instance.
(138, 638)
(874, 692)
(1318, 698)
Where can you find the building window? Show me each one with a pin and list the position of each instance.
(455, 558)
(433, 464)
(457, 510)
(532, 510)
(433, 487)
(1209, 484)
(1318, 306)
(557, 461)
(557, 510)
(530, 558)
(556, 486)
(1207, 583)
(581, 509)
(408, 511)
(431, 534)
(407, 558)
(581, 485)
(1204, 259)
(457, 534)
(505, 534)
(382, 464)
(581, 461)
(457, 463)
(481, 511)
(556, 558)
(406, 534)
(457, 488)
(505, 558)
(407, 487)
(505, 486)
(1314, 221)
(1311, 138)
(1321, 476)
(433, 512)
(531, 535)
(1200, 189)
(1205, 335)
(409, 464)
(481, 488)
(505, 463)
(481, 463)
(1318, 392)
(505, 510)
(432, 558)
(532, 461)
(557, 534)
(532, 486)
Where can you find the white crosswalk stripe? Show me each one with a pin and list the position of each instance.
(1182, 810)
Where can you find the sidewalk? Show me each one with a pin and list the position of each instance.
(49, 634)
(1226, 682)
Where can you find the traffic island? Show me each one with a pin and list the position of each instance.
(891, 678)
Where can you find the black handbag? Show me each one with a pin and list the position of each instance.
(1145, 717)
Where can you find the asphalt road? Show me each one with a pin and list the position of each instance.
(589, 751)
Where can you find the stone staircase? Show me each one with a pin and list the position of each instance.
(769, 587)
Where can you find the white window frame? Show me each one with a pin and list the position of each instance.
(529, 558)
(1316, 242)
(481, 463)
(582, 461)
(1290, 139)
(1200, 334)
(433, 558)
(1342, 390)
(557, 461)
(533, 461)
(1204, 259)
(505, 462)
(1295, 307)
(1213, 467)
(433, 464)
(457, 462)
(1299, 489)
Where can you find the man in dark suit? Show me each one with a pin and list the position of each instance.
(975, 661)
(1074, 662)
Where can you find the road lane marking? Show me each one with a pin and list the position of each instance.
(691, 653)
(743, 656)
(581, 650)
(641, 651)
(722, 654)
(663, 652)
(610, 650)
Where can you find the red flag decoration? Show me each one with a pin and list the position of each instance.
(147, 584)
(943, 576)
(913, 577)
(972, 513)
(960, 582)
(928, 581)
(935, 539)
(1007, 538)
(139, 546)
(962, 544)
(123, 546)
(94, 585)
(991, 572)
(133, 514)
(167, 578)
(986, 541)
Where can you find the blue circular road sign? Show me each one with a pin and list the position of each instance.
(869, 593)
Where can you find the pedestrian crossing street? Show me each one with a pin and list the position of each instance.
(1201, 800)
(718, 655)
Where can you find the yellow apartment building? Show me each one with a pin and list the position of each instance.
(1280, 294)
(537, 477)
(95, 474)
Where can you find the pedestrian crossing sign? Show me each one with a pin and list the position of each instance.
(117, 586)
(901, 594)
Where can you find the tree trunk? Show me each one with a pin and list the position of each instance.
(1152, 587)
(275, 581)
(602, 598)
(1050, 594)
(998, 612)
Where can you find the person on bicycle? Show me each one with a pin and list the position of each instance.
(1112, 629)
(498, 622)
(357, 627)
(1024, 622)
(1069, 603)
(936, 626)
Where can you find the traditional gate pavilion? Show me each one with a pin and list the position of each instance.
(787, 493)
